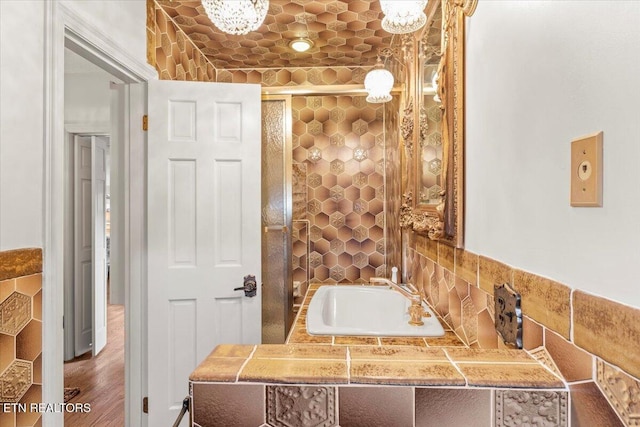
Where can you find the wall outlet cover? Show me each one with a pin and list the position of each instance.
(508, 315)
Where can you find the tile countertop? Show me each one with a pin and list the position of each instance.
(435, 362)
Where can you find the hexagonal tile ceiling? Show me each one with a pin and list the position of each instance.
(344, 33)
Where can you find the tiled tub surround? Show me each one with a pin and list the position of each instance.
(20, 334)
(594, 343)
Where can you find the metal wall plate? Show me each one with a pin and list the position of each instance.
(508, 315)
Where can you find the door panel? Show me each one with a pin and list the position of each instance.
(182, 213)
(99, 241)
(203, 229)
(83, 318)
(90, 284)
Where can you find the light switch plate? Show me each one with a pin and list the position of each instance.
(586, 171)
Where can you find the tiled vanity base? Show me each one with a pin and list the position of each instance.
(285, 405)
(324, 385)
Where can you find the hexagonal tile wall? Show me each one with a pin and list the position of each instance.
(173, 54)
(346, 205)
(343, 33)
(20, 330)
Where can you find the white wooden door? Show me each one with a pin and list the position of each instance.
(99, 229)
(90, 245)
(203, 230)
(83, 319)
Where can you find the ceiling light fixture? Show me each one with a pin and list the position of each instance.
(403, 17)
(301, 44)
(378, 83)
(237, 17)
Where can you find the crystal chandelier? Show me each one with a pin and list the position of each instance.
(403, 17)
(236, 17)
(378, 83)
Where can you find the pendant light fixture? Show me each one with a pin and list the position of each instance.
(378, 84)
(403, 17)
(236, 17)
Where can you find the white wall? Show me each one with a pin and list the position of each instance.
(22, 30)
(125, 21)
(21, 123)
(87, 98)
(540, 74)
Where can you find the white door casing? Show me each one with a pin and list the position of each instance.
(99, 259)
(203, 229)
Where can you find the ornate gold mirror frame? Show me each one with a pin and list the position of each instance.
(434, 202)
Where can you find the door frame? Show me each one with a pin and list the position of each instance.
(65, 28)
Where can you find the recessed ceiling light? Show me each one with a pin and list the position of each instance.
(301, 44)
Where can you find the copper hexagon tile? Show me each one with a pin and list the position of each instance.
(29, 341)
(15, 313)
(30, 418)
(15, 381)
(7, 287)
(29, 285)
(8, 353)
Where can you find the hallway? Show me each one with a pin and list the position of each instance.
(100, 379)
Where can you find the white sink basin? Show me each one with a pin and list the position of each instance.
(365, 310)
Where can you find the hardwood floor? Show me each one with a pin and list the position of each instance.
(100, 379)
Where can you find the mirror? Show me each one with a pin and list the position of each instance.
(433, 204)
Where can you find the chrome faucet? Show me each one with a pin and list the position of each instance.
(416, 312)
